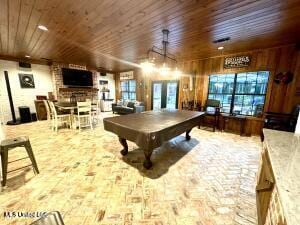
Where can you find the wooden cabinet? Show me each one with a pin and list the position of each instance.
(41, 111)
(254, 126)
(235, 124)
(106, 105)
(275, 214)
(264, 188)
(243, 125)
(269, 209)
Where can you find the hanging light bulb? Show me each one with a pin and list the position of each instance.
(164, 70)
(147, 66)
(177, 73)
(162, 55)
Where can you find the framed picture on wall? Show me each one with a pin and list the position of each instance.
(127, 75)
(103, 85)
(103, 82)
(26, 80)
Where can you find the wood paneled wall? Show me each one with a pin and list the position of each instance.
(280, 97)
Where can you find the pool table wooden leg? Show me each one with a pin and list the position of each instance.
(147, 162)
(123, 142)
(187, 135)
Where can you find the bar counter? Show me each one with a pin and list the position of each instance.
(283, 151)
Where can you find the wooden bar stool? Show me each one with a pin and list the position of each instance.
(9, 144)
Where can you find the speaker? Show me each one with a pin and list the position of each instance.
(14, 121)
(24, 65)
(102, 74)
(25, 114)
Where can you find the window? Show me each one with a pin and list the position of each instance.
(128, 89)
(221, 88)
(240, 93)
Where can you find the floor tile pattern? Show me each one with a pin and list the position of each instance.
(209, 180)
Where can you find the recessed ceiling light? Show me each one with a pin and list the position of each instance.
(27, 56)
(220, 48)
(42, 27)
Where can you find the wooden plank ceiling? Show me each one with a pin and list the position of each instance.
(90, 31)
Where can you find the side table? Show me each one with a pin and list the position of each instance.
(226, 118)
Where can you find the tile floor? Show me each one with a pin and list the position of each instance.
(208, 180)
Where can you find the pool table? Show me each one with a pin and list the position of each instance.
(151, 128)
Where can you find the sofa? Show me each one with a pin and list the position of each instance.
(127, 107)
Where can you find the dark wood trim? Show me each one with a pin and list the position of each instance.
(233, 93)
(78, 89)
(237, 53)
(22, 59)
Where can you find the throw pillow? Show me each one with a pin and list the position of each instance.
(125, 103)
(119, 102)
(130, 104)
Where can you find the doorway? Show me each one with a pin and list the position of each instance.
(164, 94)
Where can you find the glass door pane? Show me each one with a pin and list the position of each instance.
(157, 91)
(171, 95)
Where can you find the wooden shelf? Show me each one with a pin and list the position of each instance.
(78, 89)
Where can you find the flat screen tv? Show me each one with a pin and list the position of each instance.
(77, 78)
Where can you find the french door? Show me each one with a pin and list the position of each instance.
(164, 94)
